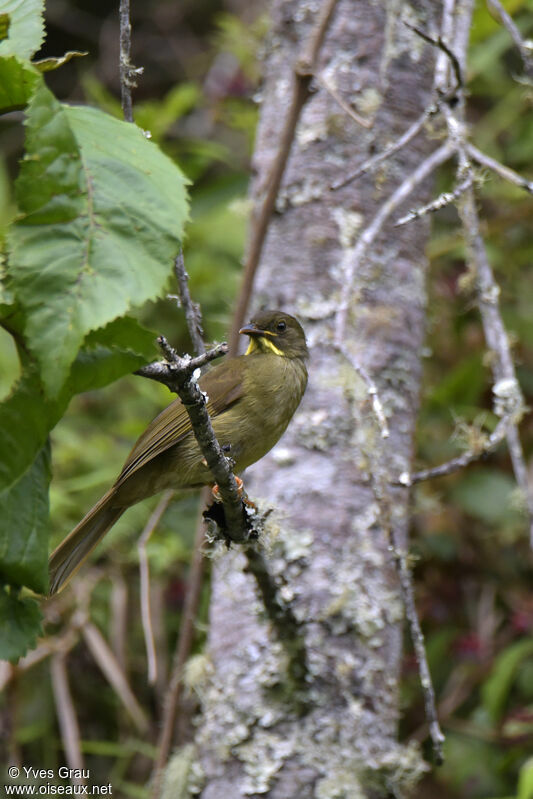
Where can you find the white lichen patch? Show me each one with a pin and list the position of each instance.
(307, 132)
(262, 759)
(349, 224)
(368, 102)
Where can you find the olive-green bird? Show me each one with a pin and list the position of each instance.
(251, 400)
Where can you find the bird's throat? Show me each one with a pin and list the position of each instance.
(264, 344)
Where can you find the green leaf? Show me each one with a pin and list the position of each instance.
(49, 64)
(525, 780)
(111, 352)
(17, 82)
(20, 622)
(26, 417)
(26, 27)
(28, 414)
(24, 527)
(5, 22)
(103, 213)
(496, 689)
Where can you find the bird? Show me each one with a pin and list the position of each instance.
(251, 399)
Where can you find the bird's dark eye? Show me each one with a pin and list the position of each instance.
(281, 326)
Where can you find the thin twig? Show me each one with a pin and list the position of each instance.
(66, 714)
(353, 256)
(444, 199)
(364, 123)
(496, 437)
(524, 48)
(107, 662)
(183, 382)
(372, 390)
(301, 81)
(442, 45)
(146, 616)
(382, 493)
(488, 290)
(119, 618)
(192, 309)
(181, 655)
(417, 638)
(127, 70)
(404, 139)
(503, 171)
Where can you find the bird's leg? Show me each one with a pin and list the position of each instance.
(240, 490)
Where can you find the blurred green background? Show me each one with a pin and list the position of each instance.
(471, 557)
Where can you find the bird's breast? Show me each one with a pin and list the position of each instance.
(272, 392)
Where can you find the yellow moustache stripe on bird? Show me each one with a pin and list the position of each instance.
(263, 343)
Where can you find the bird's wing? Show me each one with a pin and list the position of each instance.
(222, 386)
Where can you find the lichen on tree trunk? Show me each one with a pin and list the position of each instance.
(326, 541)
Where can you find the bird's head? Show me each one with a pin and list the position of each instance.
(277, 332)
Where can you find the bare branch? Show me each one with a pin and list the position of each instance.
(177, 368)
(453, 465)
(128, 72)
(151, 525)
(364, 123)
(377, 405)
(118, 626)
(183, 648)
(525, 48)
(503, 171)
(382, 493)
(353, 256)
(303, 72)
(107, 662)
(456, 25)
(446, 198)
(192, 309)
(404, 139)
(66, 714)
(417, 638)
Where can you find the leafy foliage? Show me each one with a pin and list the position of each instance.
(102, 209)
(21, 624)
(24, 509)
(473, 570)
(25, 27)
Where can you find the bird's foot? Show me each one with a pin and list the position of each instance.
(240, 490)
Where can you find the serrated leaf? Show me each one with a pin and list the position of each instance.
(28, 415)
(49, 64)
(26, 27)
(20, 622)
(24, 527)
(111, 352)
(104, 209)
(17, 82)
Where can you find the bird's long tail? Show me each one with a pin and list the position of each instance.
(67, 558)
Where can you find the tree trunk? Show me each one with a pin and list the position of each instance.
(327, 541)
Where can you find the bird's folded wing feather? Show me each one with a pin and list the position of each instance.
(223, 388)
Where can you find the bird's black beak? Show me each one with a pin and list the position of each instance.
(253, 330)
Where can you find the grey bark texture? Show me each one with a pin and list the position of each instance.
(327, 540)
